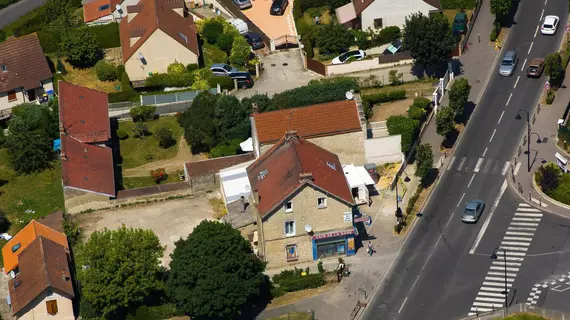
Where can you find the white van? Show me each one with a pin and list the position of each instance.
(240, 25)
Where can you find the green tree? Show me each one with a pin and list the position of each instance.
(105, 71)
(198, 124)
(140, 130)
(214, 273)
(165, 137)
(240, 51)
(176, 68)
(333, 38)
(226, 41)
(459, 95)
(212, 29)
(429, 39)
(118, 269)
(444, 121)
(500, 8)
(424, 160)
(232, 120)
(549, 177)
(81, 46)
(261, 100)
(553, 67)
(404, 126)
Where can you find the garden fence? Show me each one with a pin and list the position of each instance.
(465, 39)
(168, 108)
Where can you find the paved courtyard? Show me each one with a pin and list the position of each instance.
(272, 26)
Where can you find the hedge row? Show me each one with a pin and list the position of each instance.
(162, 80)
(107, 35)
(293, 280)
(413, 199)
(164, 311)
(224, 81)
(394, 95)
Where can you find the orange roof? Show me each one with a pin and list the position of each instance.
(24, 238)
(98, 8)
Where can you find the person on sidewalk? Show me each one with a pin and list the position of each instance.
(370, 249)
(339, 269)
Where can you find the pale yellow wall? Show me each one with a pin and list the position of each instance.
(159, 50)
(349, 147)
(21, 98)
(305, 212)
(37, 309)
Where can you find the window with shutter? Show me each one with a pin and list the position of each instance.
(51, 307)
(12, 96)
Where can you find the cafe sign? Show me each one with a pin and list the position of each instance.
(333, 234)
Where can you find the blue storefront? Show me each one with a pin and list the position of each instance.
(334, 243)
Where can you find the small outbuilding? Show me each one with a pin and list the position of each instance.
(359, 181)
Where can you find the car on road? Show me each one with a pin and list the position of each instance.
(509, 63)
(550, 25)
(254, 40)
(354, 55)
(242, 4)
(473, 211)
(278, 7)
(222, 69)
(535, 68)
(244, 79)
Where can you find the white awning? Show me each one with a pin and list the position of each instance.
(247, 145)
(365, 176)
(357, 176)
(235, 184)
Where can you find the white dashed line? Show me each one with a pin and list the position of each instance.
(494, 131)
(461, 199)
(484, 152)
(473, 176)
(501, 117)
(478, 165)
(530, 47)
(509, 99)
(517, 82)
(542, 14)
(536, 32)
(524, 64)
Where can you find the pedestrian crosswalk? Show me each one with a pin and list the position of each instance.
(483, 165)
(504, 269)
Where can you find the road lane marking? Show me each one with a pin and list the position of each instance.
(545, 2)
(494, 288)
(478, 165)
(461, 163)
(528, 210)
(509, 99)
(502, 268)
(526, 219)
(524, 205)
(500, 279)
(523, 250)
(402, 307)
(525, 224)
(542, 14)
(529, 49)
(490, 299)
(511, 233)
(491, 294)
(517, 82)
(517, 168)
(490, 305)
(513, 254)
(502, 274)
(450, 165)
(473, 176)
(484, 152)
(494, 131)
(502, 264)
(501, 117)
(524, 64)
(461, 199)
(505, 168)
(522, 229)
(449, 220)
(517, 238)
(497, 284)
(488, 220)
(536, 32)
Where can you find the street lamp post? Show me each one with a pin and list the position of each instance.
(494, 257)
(399, 214)
(518, 117)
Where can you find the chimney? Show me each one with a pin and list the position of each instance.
(290, 134)
(305, 176)
(63, 156)
(242, 201)
(254, 108)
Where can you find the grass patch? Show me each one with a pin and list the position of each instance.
(41, 192)
(136, 152)
(458, 4)
(86, 77)
(294, 316)
(219, 208)
(422, 87)
(141, 182)
(524, 316)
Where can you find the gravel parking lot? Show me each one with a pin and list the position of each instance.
(170, 220)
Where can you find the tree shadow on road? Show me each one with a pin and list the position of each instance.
(467, 112)
(450, 139)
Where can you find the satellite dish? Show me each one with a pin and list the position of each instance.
(141, 57)
(308, 228)
(349, 95)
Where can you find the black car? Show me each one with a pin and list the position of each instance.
(254, 40)
(244, 79)
(278, 7)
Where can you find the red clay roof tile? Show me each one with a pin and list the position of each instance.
(92, 10)
(212, 166)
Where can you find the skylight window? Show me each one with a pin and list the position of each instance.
(4, 68)
(104, 7)
(331, 165)
(183, 36)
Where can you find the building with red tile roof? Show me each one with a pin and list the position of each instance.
(85, 131)
(155, 34)
(335, 126)
(98, 12)
(301, 196)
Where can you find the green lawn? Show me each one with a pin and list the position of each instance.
(524, 316)
(140, 182)
(135, 152)
(41, 192)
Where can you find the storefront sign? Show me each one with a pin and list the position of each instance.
(348, 217)
(365, 219)
(350, 244)
(333, 234)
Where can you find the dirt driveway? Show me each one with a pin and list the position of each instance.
(170, 220)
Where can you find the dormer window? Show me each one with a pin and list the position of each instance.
(183, 36)
(104, 7)
(16, 247)
(4, 68)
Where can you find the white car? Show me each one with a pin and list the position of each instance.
(549, 25)
(355, 55)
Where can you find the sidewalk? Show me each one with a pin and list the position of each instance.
(338, 303)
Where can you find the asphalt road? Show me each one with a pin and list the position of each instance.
(15, 11)
(443, 263)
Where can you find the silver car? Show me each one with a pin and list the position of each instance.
(243, 4)
(509, 63)
(473, 211)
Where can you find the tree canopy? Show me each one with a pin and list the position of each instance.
(429, 39)
(404, 126)
(459, 95)
(424, 160)
(444, 121)
(214, 273)
(119, 268)
(500, 8)
(81, 46)
(333, 38)
(553, 67)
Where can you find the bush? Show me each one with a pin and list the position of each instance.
(49, 40)
(213, 54)
(122, 134)
(122, 96)
(316, 92)
(143, 113)
(140, 130)
(413, 199)
(416, 113)
(320, 267)
(107, 35)
(225, 82)
(385, 96)
(550, 95)
(226, 149)
(212, 29)
(292, 280)
(120, 71)
(421, 102)
(162, 80)
(158, 175)
(61, 67)
(126, 82)
(493, 36)
(387, 35)
(3, 35)
(192, 67)
(164, 137)
(404, 126)
(176, 68)
(164, 311)
(548, 177)
(105, 71)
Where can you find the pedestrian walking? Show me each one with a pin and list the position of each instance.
(370, 249)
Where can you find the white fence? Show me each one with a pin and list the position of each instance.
(363, 65)
(441, 89)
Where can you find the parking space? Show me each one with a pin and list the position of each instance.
(273, 26)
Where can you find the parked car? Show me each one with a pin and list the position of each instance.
(355, 55)
(550, 25)
(255, 41)
(243, 4)
(222, 69)
(473, 211)
(240, 25)
(459, 23)
(509, 63)
(535, 68)
(244, 79)
(278, 7)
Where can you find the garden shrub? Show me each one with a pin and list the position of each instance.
(416, 113)
(164, 311)
(316, 92)
(164, 137)
(2, 35)
(162, 80)
(123, 96)
(176, 68)
(29, 23)
(158, 175)
(120, 71)
(413, 199)
(225, 82)
(387, 35)
(140, 130)
(549, 177)
(192, 67)
(143, 113)
(49, 40)
(107, 35)
(225, 149)
(122, 134)
(292, 280)
(404, 126)
(125, 82)
(550, 95)
(493, 36)
(105, 71)
(61, 67)
(421, 102)
(382, 97)
(213, 54)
